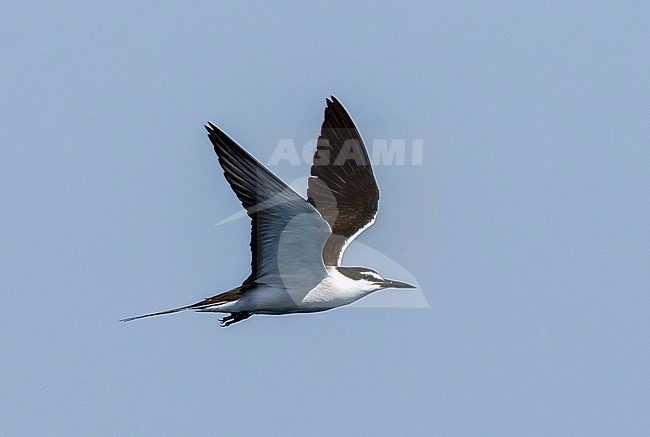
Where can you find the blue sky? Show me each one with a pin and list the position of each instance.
(526, 226)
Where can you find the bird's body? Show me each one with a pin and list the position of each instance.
(297, 244)
(334, 290)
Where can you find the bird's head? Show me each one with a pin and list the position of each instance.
(370, 279)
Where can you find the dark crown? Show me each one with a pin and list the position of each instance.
(359, 273)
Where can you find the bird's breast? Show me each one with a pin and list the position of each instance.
(334, 291)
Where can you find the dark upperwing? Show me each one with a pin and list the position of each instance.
(342, 185)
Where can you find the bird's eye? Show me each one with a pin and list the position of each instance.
(372, 276)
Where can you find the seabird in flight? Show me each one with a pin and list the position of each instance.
(297, 244)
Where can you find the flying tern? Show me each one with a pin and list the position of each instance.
(297, 244)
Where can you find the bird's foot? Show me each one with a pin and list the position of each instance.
(234, 318)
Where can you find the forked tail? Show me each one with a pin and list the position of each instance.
(228, 296)
(175, 310)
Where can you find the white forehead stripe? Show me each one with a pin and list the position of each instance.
(373, 274)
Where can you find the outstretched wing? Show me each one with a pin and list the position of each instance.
(287, 234)
(342, 185)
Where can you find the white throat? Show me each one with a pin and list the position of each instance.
(338, 289)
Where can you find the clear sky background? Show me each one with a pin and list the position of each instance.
(527, 225)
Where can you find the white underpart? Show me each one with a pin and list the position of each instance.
(337, 290)
(333, 291)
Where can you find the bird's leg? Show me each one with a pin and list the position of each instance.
(234, 318)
